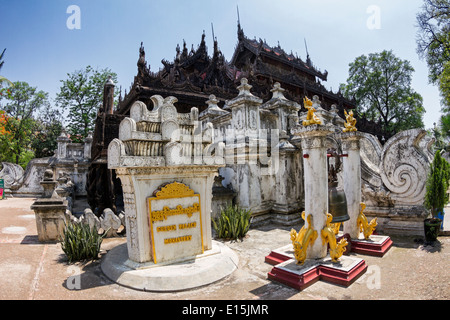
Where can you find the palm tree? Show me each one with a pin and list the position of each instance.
(1, 58)
(3, 79)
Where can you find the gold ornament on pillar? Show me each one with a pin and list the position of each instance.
(328, 236)
(366, 227)
(304, 238)
(350, 125)
(311, 118)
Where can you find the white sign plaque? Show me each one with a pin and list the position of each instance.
(175, 223)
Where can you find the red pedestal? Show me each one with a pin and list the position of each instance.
(300, 277)
(294, 280)
(275, 258)
(375, 246)
(344, 273)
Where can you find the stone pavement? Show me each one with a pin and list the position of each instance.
(30, 270)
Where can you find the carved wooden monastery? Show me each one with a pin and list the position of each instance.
(262, 88)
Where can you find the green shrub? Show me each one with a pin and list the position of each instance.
(233, 222)
(437, 184)
(80, 242)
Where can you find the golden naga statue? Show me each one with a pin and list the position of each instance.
(350, 125)
(294, 235)
(367, 228)
(304, 238)
(328, 236)
(311, 118)
(336, 226)
(307, 103)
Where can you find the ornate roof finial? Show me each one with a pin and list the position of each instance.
(109, 82)
(202, 46)
(240, 32)
(239, 20)
(142, 53)
(308, 60)
(142, 64)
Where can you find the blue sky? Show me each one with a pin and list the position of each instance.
(41, 50)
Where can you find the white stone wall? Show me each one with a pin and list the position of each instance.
(72, 159)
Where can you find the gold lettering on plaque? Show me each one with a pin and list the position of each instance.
(161, 215)
(178, 239)
(166, 228)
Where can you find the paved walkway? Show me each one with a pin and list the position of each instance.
(31, 270)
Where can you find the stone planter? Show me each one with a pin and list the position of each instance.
(50, 211)
(50, 218)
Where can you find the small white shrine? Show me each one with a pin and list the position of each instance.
(167, 163)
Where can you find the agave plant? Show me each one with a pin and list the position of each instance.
(233, 222)
(80, 242)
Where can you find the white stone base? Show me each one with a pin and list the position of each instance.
(204, 269)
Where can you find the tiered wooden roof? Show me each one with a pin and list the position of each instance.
(194, 75)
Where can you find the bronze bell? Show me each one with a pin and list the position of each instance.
(337, 203)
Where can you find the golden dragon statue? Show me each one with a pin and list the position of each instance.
(366, 227)
(311, 118)
(328, 236)
(350, 125)
(304, 238)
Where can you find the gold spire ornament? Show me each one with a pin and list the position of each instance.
(366, 227)
(311, 118)
(329, 237)
(304, 238)
(350, 124)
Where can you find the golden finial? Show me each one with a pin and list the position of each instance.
(311, 118)
(350, 125)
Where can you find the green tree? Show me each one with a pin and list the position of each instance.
(381, 85)
(433, 37)
(433, 45)
(20, 106)
(444, 87)
(437, 184)
(48, 128)
(82, 94)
